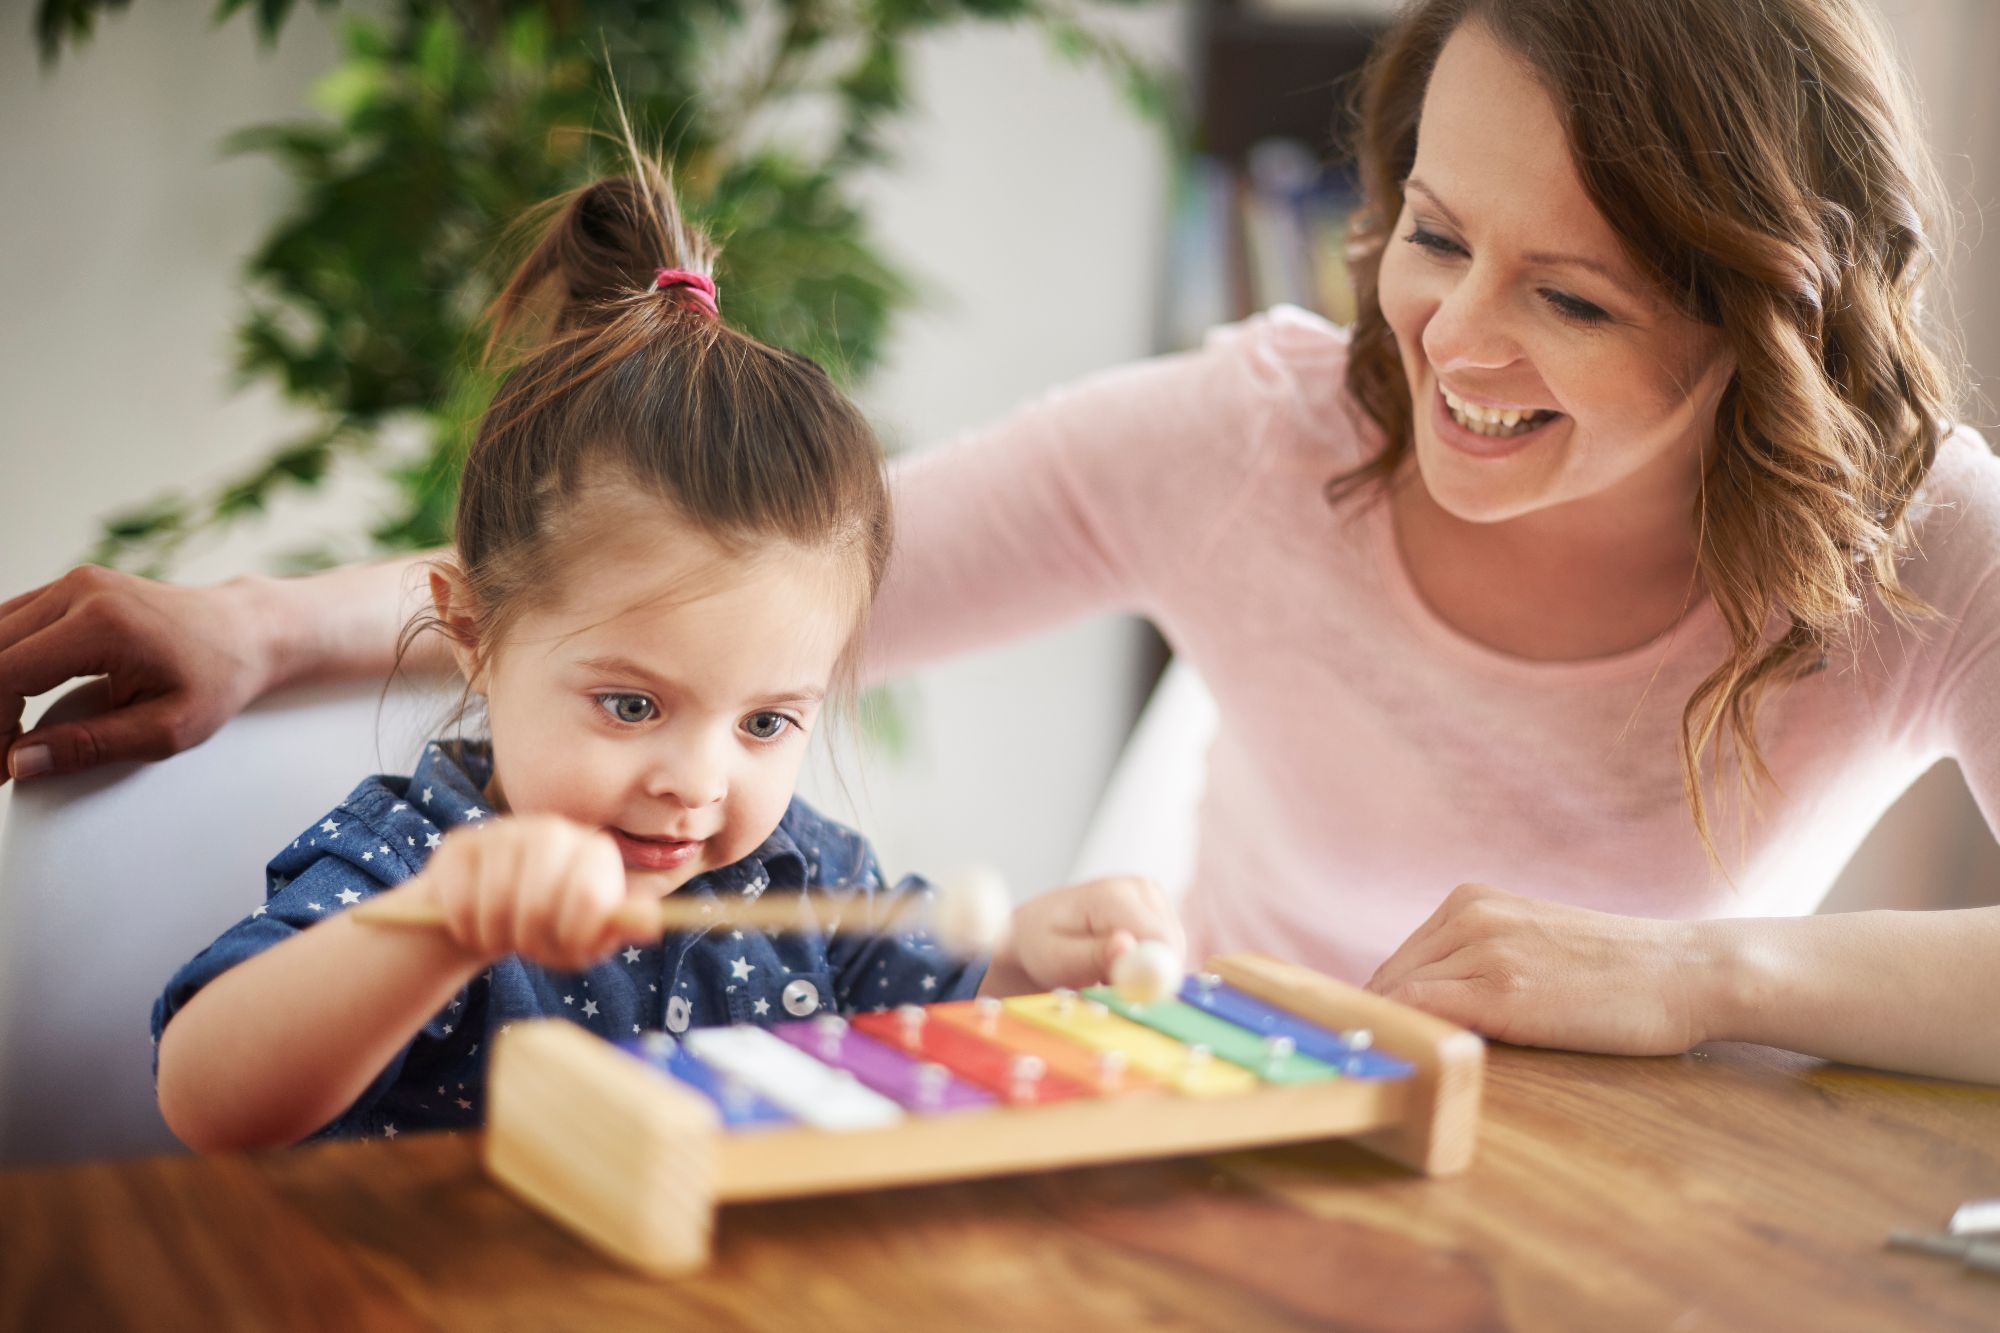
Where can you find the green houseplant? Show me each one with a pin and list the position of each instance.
(445, 119)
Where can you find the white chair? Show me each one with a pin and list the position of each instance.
(110, 880)
(1145, 822)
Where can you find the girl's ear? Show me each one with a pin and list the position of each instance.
(457, 612)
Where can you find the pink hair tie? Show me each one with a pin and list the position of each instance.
(701, 285)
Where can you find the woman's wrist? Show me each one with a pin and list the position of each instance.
(1732, 978)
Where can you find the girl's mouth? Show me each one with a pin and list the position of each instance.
(644, 853)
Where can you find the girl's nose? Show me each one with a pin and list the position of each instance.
(691, 773)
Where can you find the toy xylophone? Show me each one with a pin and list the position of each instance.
(632, 1145)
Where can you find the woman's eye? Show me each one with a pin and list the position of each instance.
(1433, 242)
(766, 726)
(1575, 309)
(628, 708)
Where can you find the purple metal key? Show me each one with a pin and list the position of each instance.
(915, 1085)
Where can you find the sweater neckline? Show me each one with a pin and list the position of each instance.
(1695, 625)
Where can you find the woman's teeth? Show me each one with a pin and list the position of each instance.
(1497, 422)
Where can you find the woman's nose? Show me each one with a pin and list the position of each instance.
(1469, 330)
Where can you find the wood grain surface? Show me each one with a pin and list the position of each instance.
(1735, 1187)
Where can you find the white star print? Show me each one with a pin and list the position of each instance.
(348, 897)
(384, 851)
(411, 841)
(427, 793)
(590, 1008)
(464, 1105)
(930, 983)
(433, 839)
(368, 856)
(278, 883)
(631, 954)
(316, 907)
(453, 1006)
(328, 826)
(742, 968)
(762, 1007)
(475, 813)
(388, 1131)
(260, 910)
(635, 1027)
(447, 1029)
(735, 934)
(569, 999)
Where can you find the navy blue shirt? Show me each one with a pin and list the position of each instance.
(382, 834)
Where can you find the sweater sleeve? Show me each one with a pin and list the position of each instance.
(1088, 499)
(1960, 577)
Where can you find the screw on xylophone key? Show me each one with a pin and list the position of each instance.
(932, 1079)
(1110, 1069)
(1096, 1010)
(1065, 999)
(1277, 1050)
(910, 1025)
(831, 1030)
(987, 1009)
(1360, 1039)
(1024, 1077)
(1197, 1057)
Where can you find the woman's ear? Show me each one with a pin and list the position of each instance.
(457, 613)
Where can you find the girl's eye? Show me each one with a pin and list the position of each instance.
(630, 709)
(766, 726)
(1575, 309)
(1433, 242)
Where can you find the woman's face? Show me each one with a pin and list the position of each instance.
(1512, 301)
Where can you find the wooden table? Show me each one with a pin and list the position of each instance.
(1735, 1187)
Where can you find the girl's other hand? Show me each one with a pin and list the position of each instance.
(1070, 937)
(539, 886)
(175, 663)
(1547, 974)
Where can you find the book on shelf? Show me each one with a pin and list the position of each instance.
(1272, 231)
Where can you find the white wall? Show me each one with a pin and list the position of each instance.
(124, 230)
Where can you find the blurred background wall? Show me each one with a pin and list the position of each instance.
(124, 230)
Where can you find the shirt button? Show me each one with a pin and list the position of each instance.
(801, 998)
(677, 1014)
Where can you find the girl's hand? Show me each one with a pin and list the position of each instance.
(1071, 937)
(535, 885)
(174, 665)
(1545, 974)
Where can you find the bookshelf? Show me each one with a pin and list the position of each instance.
(1261, 202)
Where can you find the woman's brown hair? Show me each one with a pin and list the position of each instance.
(624, 382)
(1760, 162)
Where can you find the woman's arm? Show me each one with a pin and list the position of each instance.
(1909, 991)
(175, 663)
(1912, 991)
(282, 1043)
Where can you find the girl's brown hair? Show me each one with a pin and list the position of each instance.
(619, 385)
(1761, 163)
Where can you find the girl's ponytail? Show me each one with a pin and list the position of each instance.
(602, 249)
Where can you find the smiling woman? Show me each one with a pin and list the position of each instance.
(1624, 554)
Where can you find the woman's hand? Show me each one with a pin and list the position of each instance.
(539, 886)
(1545, 974)
(1071, 937)
(175, 663)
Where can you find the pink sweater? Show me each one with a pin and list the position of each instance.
(1369, 758)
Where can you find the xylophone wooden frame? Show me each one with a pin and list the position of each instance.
(636, 1164)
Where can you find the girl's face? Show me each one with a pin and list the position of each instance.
(1511, 301)
(667, 694)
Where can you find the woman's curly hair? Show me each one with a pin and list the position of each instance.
(1761, 163)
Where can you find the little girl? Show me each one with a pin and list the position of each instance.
(668, 536)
